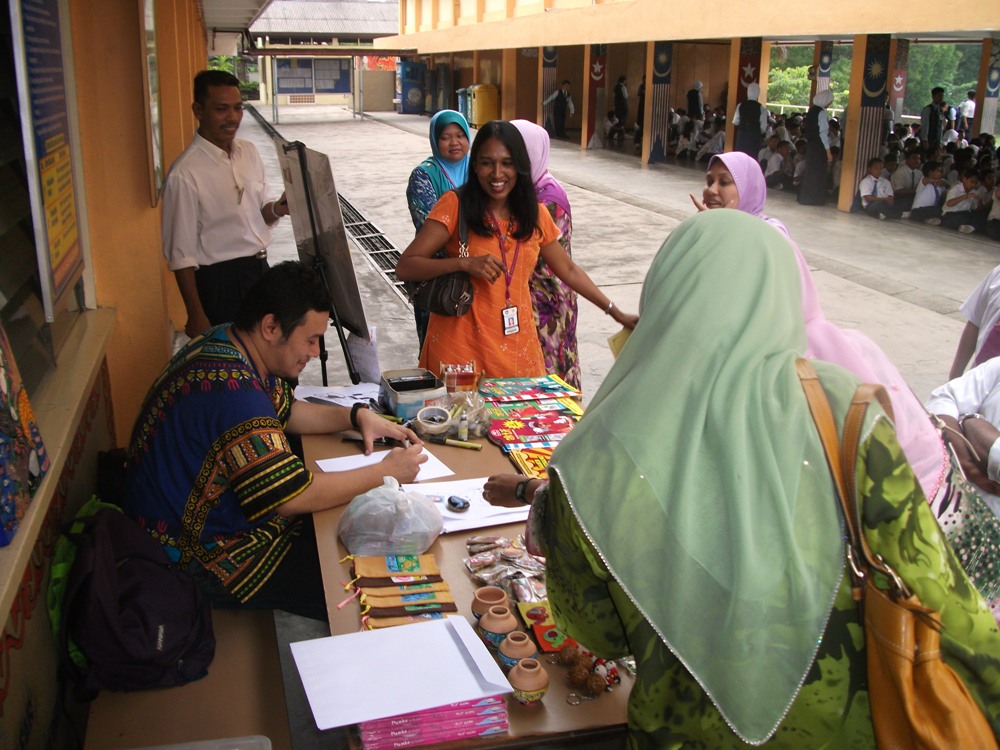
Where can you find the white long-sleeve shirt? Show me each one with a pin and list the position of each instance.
(975, 392)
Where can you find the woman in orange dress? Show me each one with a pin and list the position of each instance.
(506, 234)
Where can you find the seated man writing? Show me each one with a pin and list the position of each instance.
(210, 473)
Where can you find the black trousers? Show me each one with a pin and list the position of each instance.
(222, 286)
(295, 586)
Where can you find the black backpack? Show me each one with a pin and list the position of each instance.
(139, 623)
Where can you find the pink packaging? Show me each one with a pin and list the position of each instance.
(436, 715)
(425, 725)
(430, 738)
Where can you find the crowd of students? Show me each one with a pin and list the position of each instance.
(954, 185)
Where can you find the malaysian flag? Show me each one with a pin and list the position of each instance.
(659, 114)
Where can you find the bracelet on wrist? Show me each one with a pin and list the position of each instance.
(609, 308)
(354, 414)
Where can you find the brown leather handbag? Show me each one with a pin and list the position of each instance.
(917, 701)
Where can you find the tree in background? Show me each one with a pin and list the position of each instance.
(955, 67)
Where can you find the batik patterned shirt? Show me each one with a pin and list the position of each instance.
(209, 464)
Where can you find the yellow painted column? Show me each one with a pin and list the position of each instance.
(647, 113)
(864, 129)
(508, 84)
(584, 104)
(732, 95)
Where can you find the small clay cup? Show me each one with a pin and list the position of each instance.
(486, 597)
(529, 680)
(496, 624)
(514, 647)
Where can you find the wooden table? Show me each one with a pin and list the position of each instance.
(592, 723)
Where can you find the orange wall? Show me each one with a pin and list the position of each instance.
(127, 258)
(708, 63)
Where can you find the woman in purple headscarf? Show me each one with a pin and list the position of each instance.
(735, 180)
(554, 302)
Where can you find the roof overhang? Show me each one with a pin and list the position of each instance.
(228, 21)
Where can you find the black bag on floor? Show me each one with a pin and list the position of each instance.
(139, 623)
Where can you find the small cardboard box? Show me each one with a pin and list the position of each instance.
(406, 392)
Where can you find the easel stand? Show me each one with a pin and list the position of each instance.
(319, 265)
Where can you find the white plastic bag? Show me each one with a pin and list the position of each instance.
(389, 521)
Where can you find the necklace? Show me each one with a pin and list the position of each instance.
(249, 357)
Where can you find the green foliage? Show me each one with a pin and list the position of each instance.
(250, 90)
(222, 62)
(954, 67)
(788, 80)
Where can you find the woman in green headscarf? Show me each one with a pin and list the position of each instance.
(445, 169)
(691, 521)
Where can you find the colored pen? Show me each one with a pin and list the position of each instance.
(391, 418)
(437, 439)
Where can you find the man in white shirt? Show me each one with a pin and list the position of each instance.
(217, 216)
(562, 102)
(966, 114)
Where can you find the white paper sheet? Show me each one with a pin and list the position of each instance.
(480, 513)
(341, 395)
(432, 468)
(378, 673)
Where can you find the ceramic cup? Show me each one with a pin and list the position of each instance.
(496, 624)
(529, 680)
(514, 647)
(486, 597)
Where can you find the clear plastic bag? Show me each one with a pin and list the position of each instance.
(388, 521)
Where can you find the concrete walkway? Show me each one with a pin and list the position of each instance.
(899, 282)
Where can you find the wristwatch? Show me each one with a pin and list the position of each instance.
(354, 413)
(519, 491)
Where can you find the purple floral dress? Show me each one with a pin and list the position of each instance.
(555, 309)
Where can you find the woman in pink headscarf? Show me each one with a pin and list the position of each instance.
(735, 180)
(554, 302)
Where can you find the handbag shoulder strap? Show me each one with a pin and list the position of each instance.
(841, 457)
(463, 228)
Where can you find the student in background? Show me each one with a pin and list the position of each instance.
(876, 193)
(963, 207)
(930, 192)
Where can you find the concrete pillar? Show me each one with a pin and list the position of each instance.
(547, 84)
(864, 130)
(595, 76)
(508, 84)
(659, 64)
(899, 53)
(987, 88)
(748, 64)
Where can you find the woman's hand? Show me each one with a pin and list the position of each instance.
(973, 466)
(487, 267)
(500, 489)
(626, 319)
(697, 203)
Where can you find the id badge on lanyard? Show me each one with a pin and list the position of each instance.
(508, 316)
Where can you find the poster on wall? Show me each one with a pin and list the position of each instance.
(23, 461)
(294, 75)
(332, 75)
(40, 66)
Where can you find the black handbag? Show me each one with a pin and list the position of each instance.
(450, 293)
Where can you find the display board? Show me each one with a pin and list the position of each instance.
(318, 225)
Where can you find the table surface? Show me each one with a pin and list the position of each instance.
(554, 719)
